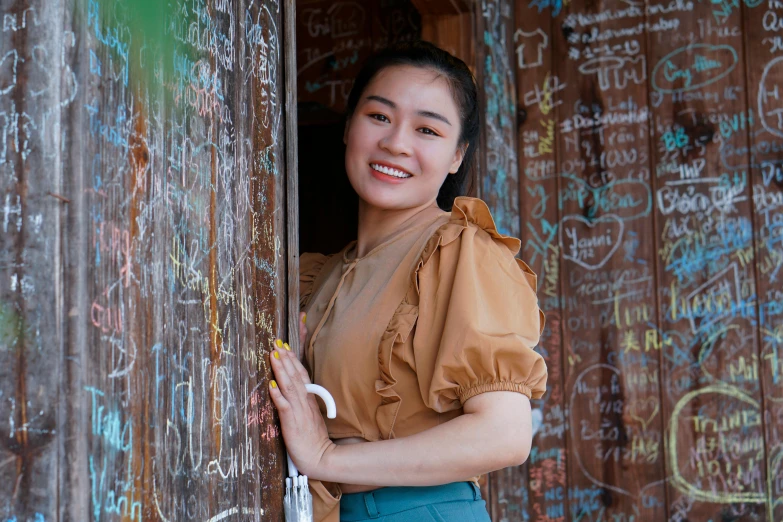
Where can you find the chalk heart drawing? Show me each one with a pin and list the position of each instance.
(580, 237)
(591, 375)
(728, 401)
(644, 411)
(768, 102)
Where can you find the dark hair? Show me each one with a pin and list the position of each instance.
(463, 89)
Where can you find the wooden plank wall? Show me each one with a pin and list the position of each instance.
(143, 273)
(650, 150)
(335, 39)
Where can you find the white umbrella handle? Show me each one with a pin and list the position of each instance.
(331, 409)
(331, 412)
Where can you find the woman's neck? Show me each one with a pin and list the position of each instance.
(376, 225)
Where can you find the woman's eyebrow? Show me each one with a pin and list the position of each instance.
(426, 114)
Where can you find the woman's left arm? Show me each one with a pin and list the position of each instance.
(494, 432)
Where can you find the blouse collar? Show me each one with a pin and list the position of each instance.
(415, 223)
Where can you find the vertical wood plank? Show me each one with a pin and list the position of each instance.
(764, 75)
(147, 277)
(707, 288)
(292, 174)
(541, 490)
(498, 180)
(615, 443)
(31, 266)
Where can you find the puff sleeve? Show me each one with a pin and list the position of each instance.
(479, 318)
(310, 266)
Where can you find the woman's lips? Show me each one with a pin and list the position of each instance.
(388, 174)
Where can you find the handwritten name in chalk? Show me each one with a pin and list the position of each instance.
(720, 197)
(741, 419)
(115, 38)
(117, 500)
(700, 64)
(601, 35)
(116, 133)
(341, 20)
(108, 424)
(185, 271)
(15, 22)
(607, 119)
(634, 11)
(707, 30)
(692, 67)
(717, 298)
(592, 246)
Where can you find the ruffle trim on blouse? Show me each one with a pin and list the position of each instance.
(310, 265)
(397, 332)
(465, 211)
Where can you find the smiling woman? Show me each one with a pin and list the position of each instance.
(423, 327)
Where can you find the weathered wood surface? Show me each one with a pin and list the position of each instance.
(661, 285)
(144, 261)
(334, 39)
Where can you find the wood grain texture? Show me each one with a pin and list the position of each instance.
(146, 277)
(667, 150)
(541, 490)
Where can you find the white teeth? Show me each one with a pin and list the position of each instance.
(391, 172)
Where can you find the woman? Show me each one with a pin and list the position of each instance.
(422, 329)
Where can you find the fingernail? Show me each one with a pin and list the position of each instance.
(304, 317)
(287, 347)
(277, 355)
(278, 343)
(274, 384)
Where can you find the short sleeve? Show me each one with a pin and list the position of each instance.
(479, 318)
(310, 266)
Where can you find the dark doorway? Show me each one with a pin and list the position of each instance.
(333, 40)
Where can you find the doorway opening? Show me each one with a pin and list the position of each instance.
(332, 42)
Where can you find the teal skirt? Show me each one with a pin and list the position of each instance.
(455, 502)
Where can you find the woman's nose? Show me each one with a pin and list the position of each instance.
(395, 142)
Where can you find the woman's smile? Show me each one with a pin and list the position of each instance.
(389, 173)
(402, 140)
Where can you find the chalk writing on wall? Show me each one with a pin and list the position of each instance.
(143, 260)
(650, 193)
(333, 41)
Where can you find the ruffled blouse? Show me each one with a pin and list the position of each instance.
(403, 336)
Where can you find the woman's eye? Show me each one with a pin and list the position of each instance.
(379, 117)
(426, 130)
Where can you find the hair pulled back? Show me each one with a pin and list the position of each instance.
(463, 88)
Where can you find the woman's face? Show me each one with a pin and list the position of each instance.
(402, 139)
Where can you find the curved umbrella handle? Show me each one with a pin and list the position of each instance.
(331, 409)
(331, 412)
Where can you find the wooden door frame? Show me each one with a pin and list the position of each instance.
(453, 25)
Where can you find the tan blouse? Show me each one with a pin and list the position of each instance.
(402, 337)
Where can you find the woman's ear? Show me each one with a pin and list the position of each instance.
(459, 155)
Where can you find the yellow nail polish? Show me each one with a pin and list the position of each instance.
(287, 347)
(277, 355)
(304, 318)
(278, 343)
(274, 384)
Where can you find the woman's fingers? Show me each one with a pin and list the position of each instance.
(292, 376)
(302, 331)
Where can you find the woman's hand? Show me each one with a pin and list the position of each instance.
(304, 430)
